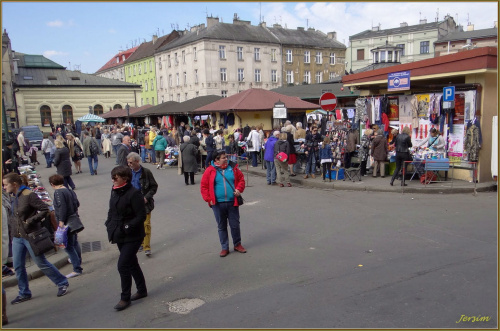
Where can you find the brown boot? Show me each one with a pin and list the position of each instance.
(4, 309)
(305, 177)
(313, 176)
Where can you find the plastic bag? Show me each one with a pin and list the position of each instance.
(61, 236)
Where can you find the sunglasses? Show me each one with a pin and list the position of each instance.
(114, 177)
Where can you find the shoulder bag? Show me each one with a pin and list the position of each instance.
(40, 241)
(239, 198)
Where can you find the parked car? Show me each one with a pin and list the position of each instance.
(33, 134)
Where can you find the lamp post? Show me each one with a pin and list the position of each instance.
(127, 107)
(90, 110)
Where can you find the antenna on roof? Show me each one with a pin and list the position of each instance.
(437, 15)
(307, 23)
(260, 12)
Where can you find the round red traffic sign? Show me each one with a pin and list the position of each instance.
(328, 101)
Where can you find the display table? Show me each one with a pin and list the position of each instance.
(422, 165)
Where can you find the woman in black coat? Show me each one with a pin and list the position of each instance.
(62, 162)
(125, 226)
(189, 154)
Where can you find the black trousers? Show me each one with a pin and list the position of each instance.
(363, 167)
(128, 267)
(400, 160)
(189, 175)
(327, 169)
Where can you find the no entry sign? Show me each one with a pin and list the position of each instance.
(328, 101)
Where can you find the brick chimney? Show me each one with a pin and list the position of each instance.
(155, 38)
(211, 21)
(332, 35)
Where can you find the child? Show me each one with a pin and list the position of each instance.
(326, 156)
(232, 148)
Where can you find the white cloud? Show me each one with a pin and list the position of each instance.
(51, 53)
(55, 24)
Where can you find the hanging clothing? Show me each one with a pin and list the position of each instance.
(376, 111)
(414, 111)
(475, 121)
(360, 104)
(472, 145)
(385, 122)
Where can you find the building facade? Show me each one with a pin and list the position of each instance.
(464, 40)
(140, 68)
(416, 41)
(114, 68)
(9, 69)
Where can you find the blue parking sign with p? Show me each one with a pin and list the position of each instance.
(449, 93)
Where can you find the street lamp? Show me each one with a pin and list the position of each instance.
(90, 110)
(127, 107)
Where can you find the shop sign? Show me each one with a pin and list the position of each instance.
(398, 81)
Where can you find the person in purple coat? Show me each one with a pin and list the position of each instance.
(269, 158)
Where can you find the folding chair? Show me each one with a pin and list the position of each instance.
(354, 171)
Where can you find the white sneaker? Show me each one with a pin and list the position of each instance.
(73, 274)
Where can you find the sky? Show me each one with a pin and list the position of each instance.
(89, 34)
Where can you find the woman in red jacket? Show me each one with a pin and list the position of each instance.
(220, 186)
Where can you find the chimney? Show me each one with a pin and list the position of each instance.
(155, 38)
(332, 35)
(402, 25)
(470, 27)
(311, 29)
(263, 24)
(276, 25)
(211, 21)
(300, 28)
(375, 28)
(424, 21)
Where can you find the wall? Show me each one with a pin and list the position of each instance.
(149, 75)
(29, 101)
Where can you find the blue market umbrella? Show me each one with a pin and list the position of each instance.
(91, 118)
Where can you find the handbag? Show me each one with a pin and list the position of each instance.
(74, 223)
(282, 156)
(40, 241)
(249, 143)
(239, 198)
(61, 236)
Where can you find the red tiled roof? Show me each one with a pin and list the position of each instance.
(112, 63)
(115, 113)
(256, 99)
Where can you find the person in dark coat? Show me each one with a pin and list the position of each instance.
(403, 144)
(9, 158)
(379, 153)
(189, 154)
(63, 163)
(125, 227)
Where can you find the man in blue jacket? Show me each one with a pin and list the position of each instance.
(269, 158)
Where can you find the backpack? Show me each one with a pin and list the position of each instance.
(94, 149)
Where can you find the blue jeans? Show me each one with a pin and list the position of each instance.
(271, 172)
(48, 159)
(225, 212)
(115, 149)
(143, 154)
(311, 164)
(96, 163)
(152, 155)
(99, 145)
(254, 159)
(68, 182)
(74, 252)
(20, 247)
(208, 160)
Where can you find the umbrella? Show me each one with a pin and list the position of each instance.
(91, 118)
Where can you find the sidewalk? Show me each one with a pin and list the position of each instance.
(378, 184)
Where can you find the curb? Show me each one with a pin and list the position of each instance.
(335, 185)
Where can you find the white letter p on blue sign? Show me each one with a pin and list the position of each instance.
(449, 93)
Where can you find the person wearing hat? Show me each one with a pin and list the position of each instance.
(9, 158)
(159, 145)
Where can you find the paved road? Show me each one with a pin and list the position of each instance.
(316, 259)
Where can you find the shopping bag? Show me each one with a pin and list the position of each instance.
(61, 236)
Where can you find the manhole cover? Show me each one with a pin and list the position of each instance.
(184, 306)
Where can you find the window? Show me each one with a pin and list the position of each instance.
(146, 85)
(177, 79)
(134, 69)
(307, 77)
(360, 54)
(319, 77)
(170, 83)
(196, 76)
(171, 97)
(183, 56)
(289, 57)
(185, 96)
(194, 53)
(153, 101)
(168, 61)
(117, 106)
(176, 61)
(273, 54)
(239, 53)
(142, 102)
(185, 78)
(151, 85)
(117, 59)
(241, 75)
(274, 76)
(178, 97)
(147, 101)
(144, 66)
(332, 58)
(197, 94)
(159, 62)
(223, 94)
(161, 82)
(402, 46)
(129, 71)
(256, 54)
(223, 75)
(375, 57)
(331, 76)
(307, 57)
(389, 56)
(123, 57)
(424, 47)
(67, 112)
(150, 66)
(382, 56)
(319, 57)
(98, 110)
(139, 68)
(289, 77)
(257, 75)
(162, 99)
(222, 52)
